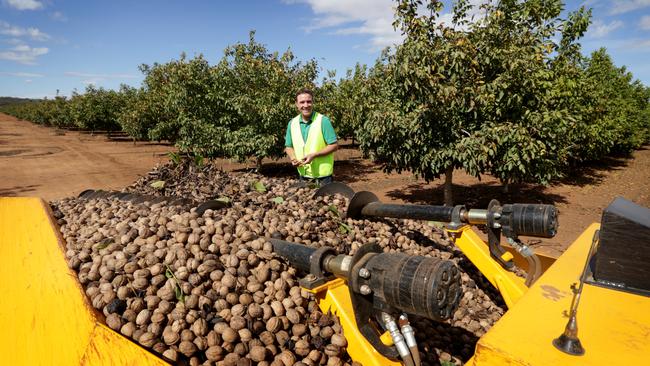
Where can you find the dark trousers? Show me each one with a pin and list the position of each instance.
(318, 181)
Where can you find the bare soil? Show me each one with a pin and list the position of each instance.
(580, 198)
(53, 164)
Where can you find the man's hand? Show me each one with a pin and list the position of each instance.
(292, 156)
(308, 159)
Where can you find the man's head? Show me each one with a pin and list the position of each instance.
(304, 101)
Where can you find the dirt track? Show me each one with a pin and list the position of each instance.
(45, 162)
(52, 164)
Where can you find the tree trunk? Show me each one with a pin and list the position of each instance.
(258, 163)
(449, 195)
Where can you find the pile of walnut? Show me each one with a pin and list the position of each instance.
(209, 290)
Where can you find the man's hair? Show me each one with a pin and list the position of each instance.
(305, 91)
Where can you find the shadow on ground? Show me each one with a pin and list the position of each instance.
(348, 170)
(477, 195)
(353, 170)
(18, 190)
(593, 173)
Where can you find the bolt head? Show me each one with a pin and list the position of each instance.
(365, 290)
(364, 273)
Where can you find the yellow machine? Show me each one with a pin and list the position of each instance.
(602, 282)
(588, 307)
(44, 314)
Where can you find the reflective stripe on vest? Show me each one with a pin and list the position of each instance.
(321, 166)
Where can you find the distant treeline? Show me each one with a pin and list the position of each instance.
(12, 100)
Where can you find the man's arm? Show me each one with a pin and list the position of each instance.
(288, 146)
(292, 155)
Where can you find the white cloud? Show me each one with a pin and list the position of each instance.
(626, 6)
(23, 54)
(25, 4)
(368, 17)
(59, 16)
(96, 77)
(644, 23)
(600, 29)
(14, 31)
(28, 81)
(22, 74)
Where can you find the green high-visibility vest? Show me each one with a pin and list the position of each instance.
(321, 166)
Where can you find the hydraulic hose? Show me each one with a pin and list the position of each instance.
(398, 339)
(409, 335)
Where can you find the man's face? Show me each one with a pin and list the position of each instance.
(304, 105)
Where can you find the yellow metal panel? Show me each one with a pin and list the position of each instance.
(613, 326)
(544, 259)
(108, 348)
(44, 315)
(334, 296)
(511, 287)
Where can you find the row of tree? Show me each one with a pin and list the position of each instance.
(508, 94)
(95, 109)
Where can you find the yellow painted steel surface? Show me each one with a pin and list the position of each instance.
(45, 318)
(545, 260)
(334, 296)
(511, 287)
(613, 326)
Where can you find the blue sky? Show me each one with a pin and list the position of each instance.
(50, 45)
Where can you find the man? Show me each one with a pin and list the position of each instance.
(310, 141)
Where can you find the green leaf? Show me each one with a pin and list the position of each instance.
(159, 184)
(334, 209)
(259, 186)
(174, 157)
(224, 199)
(344, 228)
(105, 243)
(179, 293)
(169, 273)
(278, 200)
(198, 160)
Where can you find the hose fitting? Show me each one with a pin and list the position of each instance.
(409, 335)
(397, 337)
(407, 331)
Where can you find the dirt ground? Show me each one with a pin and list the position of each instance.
(51, 163)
